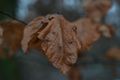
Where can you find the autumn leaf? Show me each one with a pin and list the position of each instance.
(11, 35)
(31, 29)
(96, 9)
(87, 31)
(60, 40)
(93, 5)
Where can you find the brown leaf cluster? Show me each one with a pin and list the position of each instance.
(60, 40)
(11, 33)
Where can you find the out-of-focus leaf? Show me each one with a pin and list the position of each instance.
(11, 35)
(113, 54)
(96, 9)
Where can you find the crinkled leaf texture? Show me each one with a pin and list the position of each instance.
(60, 40)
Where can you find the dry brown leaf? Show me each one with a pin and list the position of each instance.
(31, 29)
(60, 40)
(96, 9)
(12, 35)
(87, 32)
(101, 5)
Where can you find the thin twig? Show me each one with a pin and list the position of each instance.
(8, 15)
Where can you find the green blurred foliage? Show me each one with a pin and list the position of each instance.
(8, 68)
(7, 6)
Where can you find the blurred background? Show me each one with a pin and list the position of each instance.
(101, 62)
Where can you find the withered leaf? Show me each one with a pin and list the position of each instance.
(31, 29)
(11, 36)
(94, 5)
(60, 40)
(96, 9)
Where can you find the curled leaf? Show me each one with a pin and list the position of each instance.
(60, 40)
(31, 29)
